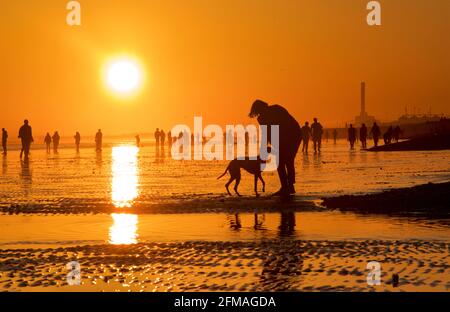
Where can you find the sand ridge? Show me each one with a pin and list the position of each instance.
(272, 265)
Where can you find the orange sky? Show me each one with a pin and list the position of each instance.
(213, 58)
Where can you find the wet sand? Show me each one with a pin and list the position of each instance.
(428, 199)
(192, 203)
(271, 265)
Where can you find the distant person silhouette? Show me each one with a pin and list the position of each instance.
(306, 133)
(169, 139)
(335, 134)
(317, 130)
(77, 138)
(4, 141)
(376, 132)
(290, 137)
(396, 133)
(352, 136)
(98, 140)
(157, 137)
(48, 142)
(55, 139)
(162, 137)
(26, 137)
(138, 140)
(363, 135)
(388, 136)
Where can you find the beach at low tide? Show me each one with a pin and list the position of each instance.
(138, 221)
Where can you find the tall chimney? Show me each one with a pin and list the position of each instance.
(363, 99)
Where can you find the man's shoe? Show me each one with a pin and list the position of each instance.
(282, 192)
(291, 189)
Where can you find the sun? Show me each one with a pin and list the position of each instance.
(123, 75)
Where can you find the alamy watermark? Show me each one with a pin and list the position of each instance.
(191, 144)
(73, 17)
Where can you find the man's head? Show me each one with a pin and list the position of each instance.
(315, 119)
(25, 121)
(257, 108)
(306, 123)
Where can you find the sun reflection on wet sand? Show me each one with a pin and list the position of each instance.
(125, 176)
(124, 192)
(124, 229)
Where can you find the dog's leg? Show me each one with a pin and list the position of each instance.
(256, 184)
(228, 184)
(238, 180)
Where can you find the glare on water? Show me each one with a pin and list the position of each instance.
(124, 191)
(125, 175)
(124, 229)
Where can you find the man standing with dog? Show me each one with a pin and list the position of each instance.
(289, 141)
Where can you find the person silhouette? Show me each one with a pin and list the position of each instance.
(138, 140)
(363, 135)
(335, 134)
(388, 135)
(376, 132)
(396, 133)
(55, 139)
(48, 141)
(77, 138)
(169, 139)
(317, 130)
(352, 136)
(157, 137)
(162, 138)
(306, 133)
(290, 137)
(98, 140)
(4, 141)
(26, 137)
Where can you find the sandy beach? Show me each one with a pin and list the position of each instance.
(230, 266)
(146, 223)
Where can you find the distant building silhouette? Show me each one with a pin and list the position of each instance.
(363, 116)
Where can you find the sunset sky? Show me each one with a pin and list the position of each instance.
(212, 58)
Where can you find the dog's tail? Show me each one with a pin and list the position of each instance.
(226, 170)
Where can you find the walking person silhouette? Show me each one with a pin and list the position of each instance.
(290, 137)
(363, 135)
(352, 136)
(98, 140)
(77, 141)
(55, 139)
(48, 142)
(376, 132)
(4, 141)
(306, 133)
(26, 137)
(317, 130)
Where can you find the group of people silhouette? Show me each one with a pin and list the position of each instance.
(390, 135)
(26, 138)
(313, 132)
(291, 134)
